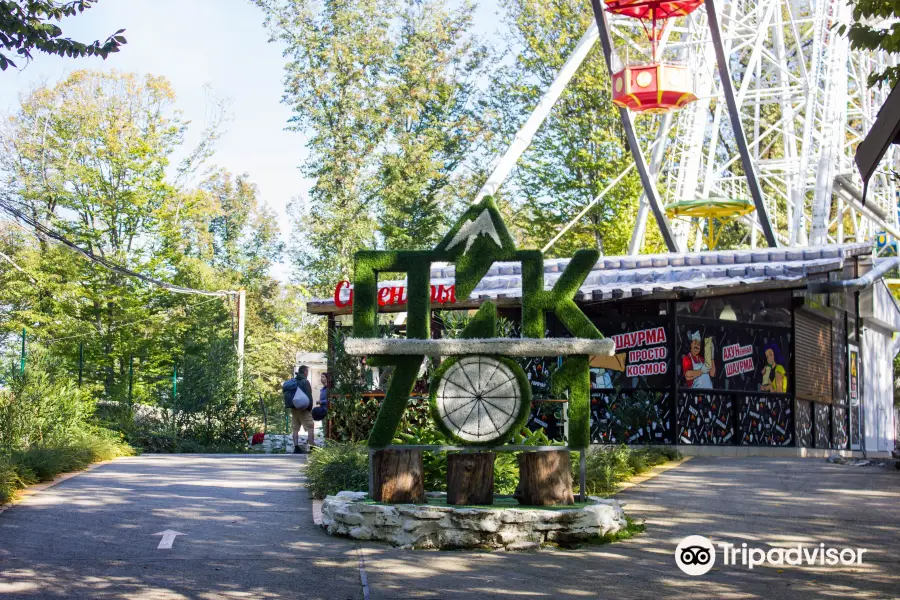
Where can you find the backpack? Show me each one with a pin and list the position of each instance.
(301, 401)
(288, 389)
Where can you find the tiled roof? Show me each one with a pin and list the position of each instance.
(629, 276)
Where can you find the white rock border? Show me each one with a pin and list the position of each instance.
(422, 526)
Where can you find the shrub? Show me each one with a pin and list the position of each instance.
(338, 466)
(608, 467)
(41, 406)
(43, 463)
(10, 480)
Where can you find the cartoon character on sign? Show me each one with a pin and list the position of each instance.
(698, 371)
(774, 375)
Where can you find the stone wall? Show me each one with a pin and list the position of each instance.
(440, 527)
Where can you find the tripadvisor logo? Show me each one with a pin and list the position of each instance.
(696, 555)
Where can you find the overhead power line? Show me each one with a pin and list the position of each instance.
(47, 233)
(132, 323)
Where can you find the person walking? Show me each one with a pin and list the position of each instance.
(323, 401)
(301, 414)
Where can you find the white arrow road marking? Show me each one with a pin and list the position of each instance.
(168, 538)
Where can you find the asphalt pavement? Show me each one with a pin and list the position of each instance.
(247, 532)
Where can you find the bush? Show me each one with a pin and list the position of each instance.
(41, 406)
(43, 463)
(10, 480)
(608, 467)
(337, 467)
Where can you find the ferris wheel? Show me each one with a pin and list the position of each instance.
(757, 101)
(784, 135)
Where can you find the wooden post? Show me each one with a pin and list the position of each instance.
(398, 477)
(545, 478)
(470, 478)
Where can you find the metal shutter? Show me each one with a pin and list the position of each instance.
(812, 358)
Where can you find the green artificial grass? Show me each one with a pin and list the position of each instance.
(473, 263)
(574, 376)
(473, 250)
(406, 370)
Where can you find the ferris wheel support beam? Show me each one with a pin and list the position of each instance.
(656, 156)
(540, 113)
(647, 182)
(736, 125)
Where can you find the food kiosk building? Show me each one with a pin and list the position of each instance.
(786, 347)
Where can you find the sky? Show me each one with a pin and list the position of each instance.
(195, 43)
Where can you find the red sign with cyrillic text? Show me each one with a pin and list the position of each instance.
(396, 295)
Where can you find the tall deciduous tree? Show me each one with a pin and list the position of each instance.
(338, 52)
(581, 146)
(386, 93)
(92, 158)
(436, 124)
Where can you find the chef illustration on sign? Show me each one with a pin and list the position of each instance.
(698, 372)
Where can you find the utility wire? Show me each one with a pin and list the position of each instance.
(52, 235)
(124, 325)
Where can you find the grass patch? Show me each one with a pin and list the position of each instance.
(631, 529)
(39, 464)
(337, 467)
(609, 467)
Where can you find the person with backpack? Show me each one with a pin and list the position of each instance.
(298, 397)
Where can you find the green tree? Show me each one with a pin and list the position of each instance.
(437, 122)
(30, 25)
(92, 158)
(337, 53)
(581, 146)
(387, 95)
(875, 27)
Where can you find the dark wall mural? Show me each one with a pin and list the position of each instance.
(766, 421)
(544, 415)
(631, 417)
(854, 426)
(822, 417)
(705, 418)
(722, 355)
(803, 422)
(840, 434)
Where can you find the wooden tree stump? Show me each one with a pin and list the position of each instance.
(470, 478)
(398, 477)
(545, 478)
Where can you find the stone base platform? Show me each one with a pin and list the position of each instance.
(423, 526)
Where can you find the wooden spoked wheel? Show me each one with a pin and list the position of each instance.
(480, 399)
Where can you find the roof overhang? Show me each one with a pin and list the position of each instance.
(644, 277)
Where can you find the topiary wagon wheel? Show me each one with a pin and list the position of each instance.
(480, 400)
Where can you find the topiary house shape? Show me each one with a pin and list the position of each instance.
(477, 240)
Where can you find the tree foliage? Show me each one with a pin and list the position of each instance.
(875, 27)
(92, 157)
(579, 149)
(386, 94)
(28, 25)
